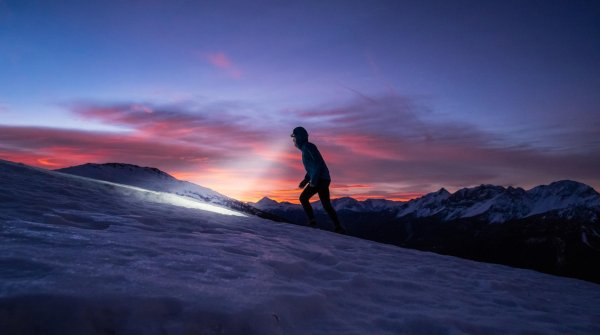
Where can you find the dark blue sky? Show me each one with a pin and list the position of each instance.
(505, 91)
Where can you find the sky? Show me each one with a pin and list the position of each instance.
(402, 98)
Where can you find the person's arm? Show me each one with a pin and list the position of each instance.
(304, 181)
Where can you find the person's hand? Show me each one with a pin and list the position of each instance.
(303, 183)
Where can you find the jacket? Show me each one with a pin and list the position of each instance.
(314, 164)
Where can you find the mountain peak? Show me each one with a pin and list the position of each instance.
(442, 192)
(483, 191)
(266, 201)
(123, 173)
(564, 188)
(570, 185)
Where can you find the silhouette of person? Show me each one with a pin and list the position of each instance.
(317, 178)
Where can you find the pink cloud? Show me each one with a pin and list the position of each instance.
(61, 147)
(222, 62)
(213, 128)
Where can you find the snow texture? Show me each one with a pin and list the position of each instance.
(79, 256)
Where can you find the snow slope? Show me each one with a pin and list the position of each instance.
(156, 180)
(145, 177)
(79, 256)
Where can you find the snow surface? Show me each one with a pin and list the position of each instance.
(169, 198)
(79, 256)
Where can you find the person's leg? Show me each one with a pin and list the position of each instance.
(324, 195)
(305, 196)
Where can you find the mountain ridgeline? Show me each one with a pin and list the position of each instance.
(551, 228)
(156, 180)
(493, 204)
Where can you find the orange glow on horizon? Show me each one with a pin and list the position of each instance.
(295, 200)
(46, 162)
(280, 190)
(229, 182)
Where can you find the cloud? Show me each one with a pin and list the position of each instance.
(53, 147)
(222, 62)
(386, 146)
(213, 128)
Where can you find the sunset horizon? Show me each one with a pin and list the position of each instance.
(401, 98)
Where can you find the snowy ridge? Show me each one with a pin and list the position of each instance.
(80, 256)
(269, 204)
(561, 195)
(146, 177)
(497, 204)
(154, 179)
(345, 203)
(427, 205)
(369, 205)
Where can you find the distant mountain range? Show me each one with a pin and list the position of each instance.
(495, 204)
(553, 228)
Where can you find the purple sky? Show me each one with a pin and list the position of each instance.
(401, 97)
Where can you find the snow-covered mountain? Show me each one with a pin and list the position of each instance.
(495, 204)
(426, 205)
(83, 256)
(146, 177)
(561, 195)
(154, 179)
(267, 203)
(345, 203)
(369, 205)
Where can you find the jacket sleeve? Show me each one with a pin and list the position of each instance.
(315, 166)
